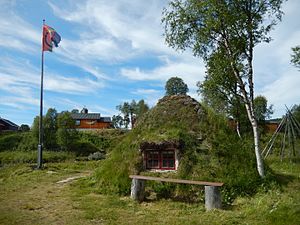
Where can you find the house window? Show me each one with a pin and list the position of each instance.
(152, 159)
(164, 159)
(77, 122)
(168, 159)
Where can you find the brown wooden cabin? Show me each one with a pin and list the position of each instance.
(270, 126)
(85, 120)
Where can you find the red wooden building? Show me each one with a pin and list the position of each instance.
(85, 120)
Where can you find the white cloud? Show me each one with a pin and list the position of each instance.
(15, 32)
(146, 91)
(117, 30)
(283, 91)
(22, 80)
(191, 71)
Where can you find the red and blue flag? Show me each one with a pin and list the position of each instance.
(50, 38)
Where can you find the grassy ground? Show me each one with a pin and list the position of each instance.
(29, 196)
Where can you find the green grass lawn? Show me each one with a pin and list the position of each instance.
(29, 196)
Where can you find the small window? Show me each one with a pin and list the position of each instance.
(168, 159)
(152, 159)
(77, 122)
(164, 159)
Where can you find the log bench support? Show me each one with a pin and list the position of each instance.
(213, 198)
(137, 189)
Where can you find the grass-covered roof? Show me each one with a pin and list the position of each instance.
(211, 150)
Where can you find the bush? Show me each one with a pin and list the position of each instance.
(83, 148)
(28, 142)
(10, 141)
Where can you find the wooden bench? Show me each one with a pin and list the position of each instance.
(212, 193)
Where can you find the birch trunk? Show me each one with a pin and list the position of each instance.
(259, 159)
(249, 106)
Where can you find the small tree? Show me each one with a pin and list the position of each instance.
(66, 132)
(261, 109)
(141, 108)
(24, 127)
(117, 121)
(131, 111)
(50, 128)
(176, 86)
(75, 111)
(125, 110)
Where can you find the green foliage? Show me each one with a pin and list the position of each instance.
(296, 112)
(10, 141)
(219, 88)
(104, 140)
(82, 148)
(50, 128)
(296, 56)
(113, 176)
(203, 25)
(261, 109)
(28, 142)
(176, 86)
(66, 133)
(117, 121)
(35, 128)
(131, 112)
(24, 127)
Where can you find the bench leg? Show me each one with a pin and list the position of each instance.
(212, 198)
(137, 189)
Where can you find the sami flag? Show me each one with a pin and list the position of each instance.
(50, 37)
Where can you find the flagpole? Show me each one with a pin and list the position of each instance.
(41, 132)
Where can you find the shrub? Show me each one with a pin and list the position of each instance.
(83, 148)
(10, 141)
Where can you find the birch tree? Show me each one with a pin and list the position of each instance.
(235, 25)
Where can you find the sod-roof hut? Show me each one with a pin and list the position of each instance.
(181, 135)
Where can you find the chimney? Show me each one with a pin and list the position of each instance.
(84, 111)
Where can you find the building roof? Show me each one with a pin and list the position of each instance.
(7, 122)
(84, 116)
(106, 119)
(90, 116)
(275, 121)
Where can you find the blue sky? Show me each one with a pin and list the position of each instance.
(114, 51)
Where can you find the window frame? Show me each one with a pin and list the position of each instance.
(160, 153)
